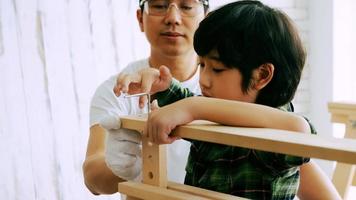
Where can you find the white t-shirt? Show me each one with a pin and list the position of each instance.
(104, 103)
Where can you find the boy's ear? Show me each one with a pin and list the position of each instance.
(139, 16)
(263, 75)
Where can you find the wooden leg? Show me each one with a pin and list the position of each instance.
(344, 174)
(154, 163)
(132, 198)
(342, 178)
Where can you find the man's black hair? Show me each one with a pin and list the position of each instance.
(248, 34)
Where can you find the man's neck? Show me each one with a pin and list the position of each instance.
(182, 67)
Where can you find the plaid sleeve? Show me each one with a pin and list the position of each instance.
(174, 93)
(279, 162)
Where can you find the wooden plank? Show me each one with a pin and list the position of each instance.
(342, 178)
(340, 111)
(344, 173)
(132, 198)
(201, 192)
(149, 192)
(154, 163)
(288, 142)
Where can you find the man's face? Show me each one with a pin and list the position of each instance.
(170, 34)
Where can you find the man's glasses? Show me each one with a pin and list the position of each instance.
(187, 8)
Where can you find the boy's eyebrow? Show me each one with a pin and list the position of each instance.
(214, 57)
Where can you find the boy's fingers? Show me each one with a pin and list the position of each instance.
(154, 105)
(171, 139)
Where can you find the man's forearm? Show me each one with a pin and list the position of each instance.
(98, 178)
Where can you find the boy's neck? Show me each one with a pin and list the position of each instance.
(182, 67)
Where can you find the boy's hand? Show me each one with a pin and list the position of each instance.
(148, 80)
(162, 121)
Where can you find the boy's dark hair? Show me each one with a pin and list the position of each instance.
(206, 6)
(247, 34)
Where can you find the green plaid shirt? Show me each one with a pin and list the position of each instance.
(238, 171)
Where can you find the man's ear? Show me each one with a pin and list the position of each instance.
(262, 75)
(139, 16)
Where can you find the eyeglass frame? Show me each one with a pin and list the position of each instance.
(205, 4)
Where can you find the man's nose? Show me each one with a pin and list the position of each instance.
(173, 15)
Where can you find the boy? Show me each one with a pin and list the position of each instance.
(253, 56)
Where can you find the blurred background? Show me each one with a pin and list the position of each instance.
(54, 53)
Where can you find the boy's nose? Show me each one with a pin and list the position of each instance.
(204, 79)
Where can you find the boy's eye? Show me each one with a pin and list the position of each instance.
(218, 70)
(201, 65)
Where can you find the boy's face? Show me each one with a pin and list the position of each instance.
(218, 81)
(170, 34)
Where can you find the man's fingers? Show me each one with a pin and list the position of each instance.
(165, 74)
(123, 83)
(146, 83)
(117, 90)
(142, 101)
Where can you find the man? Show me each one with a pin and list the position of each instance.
(169, 26)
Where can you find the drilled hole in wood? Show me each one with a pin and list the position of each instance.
(150, 175)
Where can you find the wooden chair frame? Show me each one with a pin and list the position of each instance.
(344, 175)
(155, 185)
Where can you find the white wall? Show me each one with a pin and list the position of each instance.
(344, 50)
(53, 54)
(321, 63)
(331, 53)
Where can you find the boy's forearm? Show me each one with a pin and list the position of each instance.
(235, 113)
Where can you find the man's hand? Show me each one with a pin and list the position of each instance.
(148, 80)
(123, 149)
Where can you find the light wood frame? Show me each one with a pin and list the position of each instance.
(344, 175)
(155, 184)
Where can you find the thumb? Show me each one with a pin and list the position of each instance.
(165, 74)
